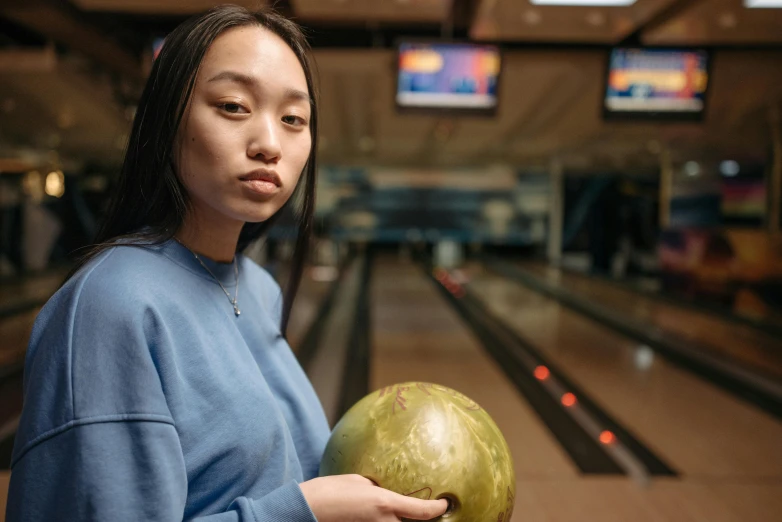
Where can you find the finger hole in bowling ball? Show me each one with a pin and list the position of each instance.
(453, 505)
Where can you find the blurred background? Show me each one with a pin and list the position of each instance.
(568, 210)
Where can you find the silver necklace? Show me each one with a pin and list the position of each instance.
(236, 275)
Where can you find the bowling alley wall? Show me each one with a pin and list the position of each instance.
(715, 250)
(488, 205)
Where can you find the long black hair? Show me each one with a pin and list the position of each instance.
(150, 202)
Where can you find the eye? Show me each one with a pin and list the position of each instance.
(294, 120)
(233, 108)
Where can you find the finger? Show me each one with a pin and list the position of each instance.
(417, 509)
(359, 479)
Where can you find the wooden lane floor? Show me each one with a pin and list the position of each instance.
(417, 337)
(698, 427)
(17, 293)
(14, 334)
(312, 291)
(727, 453)
(5, 477)
(750, 346)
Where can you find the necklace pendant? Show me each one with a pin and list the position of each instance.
(236, 274)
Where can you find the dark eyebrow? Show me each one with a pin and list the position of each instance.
(297, 95)
(234, 77)
(249, 81)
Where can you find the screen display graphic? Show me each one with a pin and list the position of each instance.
(656, 82)
(448, 76)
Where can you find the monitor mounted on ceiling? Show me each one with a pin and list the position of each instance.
(656, 84)
(448, 77)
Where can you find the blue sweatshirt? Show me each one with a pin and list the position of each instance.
(147, 398)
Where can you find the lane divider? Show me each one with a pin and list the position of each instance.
(755, 389)
(524, 364)
(311, 342)
(355, 376)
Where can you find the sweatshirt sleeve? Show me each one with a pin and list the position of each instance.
(125, 471)
(96, 440)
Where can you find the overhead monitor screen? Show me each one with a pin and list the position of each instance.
(656, 83)
(448, 76)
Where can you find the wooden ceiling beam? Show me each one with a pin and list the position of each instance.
(58, 21)
(655, 19)
(28, 60)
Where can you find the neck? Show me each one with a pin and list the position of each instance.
(211, 237)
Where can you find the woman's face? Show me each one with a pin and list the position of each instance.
(245, 138)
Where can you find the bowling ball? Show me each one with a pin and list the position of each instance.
(430, 442)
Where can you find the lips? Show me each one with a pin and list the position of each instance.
(268, 176)
(262, 182)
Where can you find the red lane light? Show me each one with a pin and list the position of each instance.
(541, 373)
(568, 399)
(607, 437)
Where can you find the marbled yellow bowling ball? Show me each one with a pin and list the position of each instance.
(427, 441)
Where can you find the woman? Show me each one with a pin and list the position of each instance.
(154, 388)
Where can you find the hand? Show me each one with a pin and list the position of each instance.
(353, 498)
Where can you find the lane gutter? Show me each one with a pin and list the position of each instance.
(310, 343)
(714, 311)
(755, 389)
(596, 442)
(355, 377)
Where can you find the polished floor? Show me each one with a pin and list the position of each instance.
(697, 427)
(727, 453)
(17, 292)
(754, 348)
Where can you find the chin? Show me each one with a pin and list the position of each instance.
(253, 211)
(256, 217)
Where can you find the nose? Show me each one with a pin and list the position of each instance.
(264, 140)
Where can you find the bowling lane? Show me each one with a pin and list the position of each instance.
(18, 291)
(416, 336)
(312, 292)
(750, 346)
(14, 334)
(5, 477)
(695, 426)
